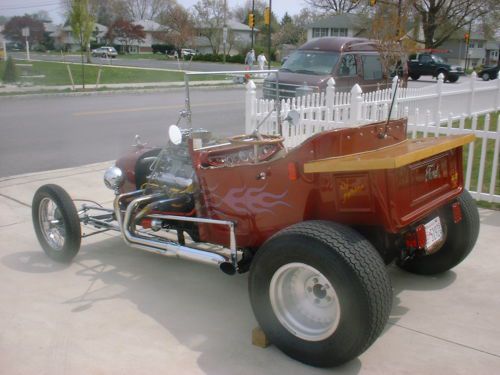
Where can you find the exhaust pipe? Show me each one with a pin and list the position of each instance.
(168, 248)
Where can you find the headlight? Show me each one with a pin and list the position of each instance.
(113, 178)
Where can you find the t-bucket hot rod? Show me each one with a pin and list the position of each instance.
(313, 225)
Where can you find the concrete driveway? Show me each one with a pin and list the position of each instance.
(116, 310)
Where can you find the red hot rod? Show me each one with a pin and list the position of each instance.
(313, 225)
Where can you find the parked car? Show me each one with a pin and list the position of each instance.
(105, 52)
(428, 64)
(188, 52)
(312, 225)
(308, 69)
(489, 72)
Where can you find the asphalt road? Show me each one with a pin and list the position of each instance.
(44, 133)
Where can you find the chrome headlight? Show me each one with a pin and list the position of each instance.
(113, 178)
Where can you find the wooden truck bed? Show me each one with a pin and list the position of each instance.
(390, 157)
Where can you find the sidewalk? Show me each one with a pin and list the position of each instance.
(117, 310)
(14, 89)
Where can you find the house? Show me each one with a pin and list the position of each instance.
(239, 38)
(347, 24)
(482, 51)
(154, 35)
(64, 39)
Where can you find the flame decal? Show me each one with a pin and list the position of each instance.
(244, 201)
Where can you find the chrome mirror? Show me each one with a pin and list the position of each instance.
(175, 134)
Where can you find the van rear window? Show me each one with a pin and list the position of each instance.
(372, 67)
(311, 62)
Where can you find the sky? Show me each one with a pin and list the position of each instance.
(53, 7)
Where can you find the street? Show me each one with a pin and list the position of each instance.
(42, 133)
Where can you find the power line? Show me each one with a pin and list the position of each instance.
(32, 6)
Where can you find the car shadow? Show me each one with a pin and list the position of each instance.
(207, 311)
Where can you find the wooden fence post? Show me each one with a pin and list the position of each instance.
(250, 110)
(473, 78)
(439, 91)
(330, 93)
(356, 104)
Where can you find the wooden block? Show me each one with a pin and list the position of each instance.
(259, 338)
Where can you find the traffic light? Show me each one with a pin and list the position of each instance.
(466, 38)
(373, 2)
(267, 15)
(251, 20)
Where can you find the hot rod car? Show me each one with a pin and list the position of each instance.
(313, 225)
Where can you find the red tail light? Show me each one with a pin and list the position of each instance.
(421, 236)
(457, 212)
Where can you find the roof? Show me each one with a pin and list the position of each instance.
(346, 20)
(337, 43)
(234, 25)
(149, 25)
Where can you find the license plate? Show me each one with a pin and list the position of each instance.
(433, 232)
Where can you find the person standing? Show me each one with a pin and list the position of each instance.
(261, 60)
(250, 58)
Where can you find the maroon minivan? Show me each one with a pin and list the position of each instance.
(347, 60)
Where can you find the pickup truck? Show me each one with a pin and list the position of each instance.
(427, 64)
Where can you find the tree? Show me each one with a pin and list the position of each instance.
(10, 73)
(389, 27)
(13, 29)
(335, 6)
(146, 9)
(209, 15)
(441, 18)
(126, 33)
(180, 26)
(82, 25)
(286, 19)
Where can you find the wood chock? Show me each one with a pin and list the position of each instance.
(259, 338)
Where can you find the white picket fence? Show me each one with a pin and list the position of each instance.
(430, 111)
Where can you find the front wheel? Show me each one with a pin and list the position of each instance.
(460, 239)
(320, 292)
(486, 77)
(414, 77)
(56, 223)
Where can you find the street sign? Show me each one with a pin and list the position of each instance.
(26, 31)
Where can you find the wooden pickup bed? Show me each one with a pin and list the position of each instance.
(395, 156)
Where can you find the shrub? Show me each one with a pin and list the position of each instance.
(10, 73)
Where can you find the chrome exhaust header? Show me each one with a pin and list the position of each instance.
(168, 248)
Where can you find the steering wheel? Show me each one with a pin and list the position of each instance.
(252, 139)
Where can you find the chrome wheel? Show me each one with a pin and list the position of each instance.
(51, 224)
(304, 301)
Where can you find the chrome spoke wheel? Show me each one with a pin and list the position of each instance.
(304, 301)
(52, 224)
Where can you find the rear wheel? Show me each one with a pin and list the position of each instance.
(56, 223)
(460, 240)
(320, 292)
(486, 77)
(452, 79)
(414, 77)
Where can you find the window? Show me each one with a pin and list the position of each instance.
(334, 31)
(318, 32)
(348, 66)
(372, 68)
(479, 44)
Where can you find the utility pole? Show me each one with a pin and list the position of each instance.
(224, 33)
(268, 20)
(467, 47)
(253, 25)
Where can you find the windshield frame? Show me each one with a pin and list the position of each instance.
(296, 62)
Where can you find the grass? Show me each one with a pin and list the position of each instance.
(56, 74)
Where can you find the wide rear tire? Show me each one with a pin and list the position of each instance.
(460, 240)
(320, 292)
(56, 223)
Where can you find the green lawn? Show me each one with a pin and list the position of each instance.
(57, 74)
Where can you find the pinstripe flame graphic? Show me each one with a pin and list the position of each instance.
(244, 201)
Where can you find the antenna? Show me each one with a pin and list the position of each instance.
(384, 133)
